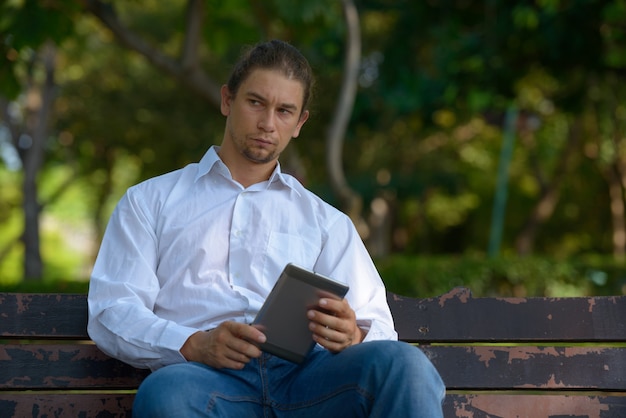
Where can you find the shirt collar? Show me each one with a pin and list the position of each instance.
(212, 161)
(207, 162)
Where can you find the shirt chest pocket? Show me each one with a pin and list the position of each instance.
(285, 248)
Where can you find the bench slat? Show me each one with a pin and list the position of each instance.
(459, 317)
(535, 406)
(64, 366)
(477, 406)
(72, 405)
(537, 368)
(504, 368)
(43, 315)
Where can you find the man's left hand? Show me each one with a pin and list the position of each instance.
(334, 325)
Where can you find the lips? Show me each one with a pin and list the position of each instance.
(263, 141)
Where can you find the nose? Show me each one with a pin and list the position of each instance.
(267, 121)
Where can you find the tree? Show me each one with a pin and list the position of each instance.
(185, 67)
(30, 47)
(444, 66)
(428, 88)
(350, 201)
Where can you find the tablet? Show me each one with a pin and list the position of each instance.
(283, 318)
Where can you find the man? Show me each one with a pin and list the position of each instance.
(189, 257)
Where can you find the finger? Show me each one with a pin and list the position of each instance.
(241, 343)
(233, 364)
(243, 348)
(237, 357)
(231, 337)
(330, 344)
(338, 308)
(247, 332)
(245, 339)
(331, 306)
(328, 333)
(329, 321)
(332, 332)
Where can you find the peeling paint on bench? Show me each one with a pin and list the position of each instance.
(499, 357)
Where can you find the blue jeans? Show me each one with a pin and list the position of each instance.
(373, 379)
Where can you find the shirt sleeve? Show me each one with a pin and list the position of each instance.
(123, 290)
(345, 258)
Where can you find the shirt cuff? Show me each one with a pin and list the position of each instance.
(376, 330)
(172, 340)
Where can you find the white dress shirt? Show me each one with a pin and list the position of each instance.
(191, 249)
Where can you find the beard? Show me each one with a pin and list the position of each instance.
(250, 149)
(259, 155)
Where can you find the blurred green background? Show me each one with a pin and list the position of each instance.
(485, 145)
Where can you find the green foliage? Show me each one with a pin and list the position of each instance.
(46, 286)
(67, 242)
(419, 276)
(425, 132)
(32, 22)
(426, 276)
(10, 199)
(25, 25)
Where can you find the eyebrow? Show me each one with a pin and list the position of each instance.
(289, 106)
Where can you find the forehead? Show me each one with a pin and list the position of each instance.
(275, 86)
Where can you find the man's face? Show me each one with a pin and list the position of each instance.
(264, 115)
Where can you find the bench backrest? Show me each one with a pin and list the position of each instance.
(45, 348)
(499, 357)
(522, 357)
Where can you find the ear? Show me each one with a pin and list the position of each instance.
(226, 100)
(303, 118)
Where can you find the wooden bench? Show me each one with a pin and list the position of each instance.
(499, 357)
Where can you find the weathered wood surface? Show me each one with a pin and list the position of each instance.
(66, 406)
(43, 315)
(534, 406)
(536, 368)
(525, 352)
(462, 368)
(45, 352)
(65, 366)
(459, 317)
(455, 406)
(44, 348)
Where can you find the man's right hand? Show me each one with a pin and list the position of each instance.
(230, 345)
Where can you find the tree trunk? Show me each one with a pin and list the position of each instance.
(616, 195)
(350, 201)
(31, 146)
(548, 199)
(620, 236)
(100, 216)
